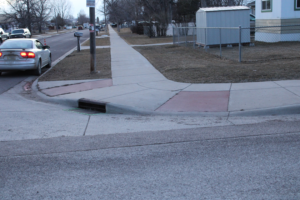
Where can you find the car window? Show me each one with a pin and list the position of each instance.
(17, 44)
(18, 31)
(38, 44)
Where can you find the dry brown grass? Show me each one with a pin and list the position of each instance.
(76, 66)
(185, 64)
(261, 51)
(135, 39)
(99, 41)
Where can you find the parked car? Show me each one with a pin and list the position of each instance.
(20, 33)
(80, 28)
(3, 36)
(24, 54)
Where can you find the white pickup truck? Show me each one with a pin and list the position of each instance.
(3, 36)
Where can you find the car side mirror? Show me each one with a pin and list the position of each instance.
(46, 47)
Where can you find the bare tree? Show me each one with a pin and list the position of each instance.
(62, 7)
(81, 17)
(42, 11)
(22, 12)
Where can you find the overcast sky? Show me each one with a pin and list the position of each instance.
(77, 5)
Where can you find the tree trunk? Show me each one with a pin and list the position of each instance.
(40, 27)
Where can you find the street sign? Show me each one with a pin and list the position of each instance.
(91, 28)
(90, 3)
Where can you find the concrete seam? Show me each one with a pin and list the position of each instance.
(87, 124)
(125, 94)
(166, 101)
(161, 89)
(287, 89)
(137, 83)
(229, 120)
(187, 86)
(229, 98)
(132, 75)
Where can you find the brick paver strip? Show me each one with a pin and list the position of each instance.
(197, 102)
(77, 87)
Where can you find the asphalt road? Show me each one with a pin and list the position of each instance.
(259, 161)
(59, 45)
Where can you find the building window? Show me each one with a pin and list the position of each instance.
(266, 5)
(297, 4)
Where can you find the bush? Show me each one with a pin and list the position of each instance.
(133, 28)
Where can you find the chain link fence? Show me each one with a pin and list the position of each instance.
(242, 44)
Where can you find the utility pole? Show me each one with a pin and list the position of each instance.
(91, 4)
(104, 2)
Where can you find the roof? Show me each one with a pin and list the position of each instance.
(228, 8)
(3, 19)
(251, 4)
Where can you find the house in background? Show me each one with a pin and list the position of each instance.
(277, 13)
(7, 25)
(251, 5)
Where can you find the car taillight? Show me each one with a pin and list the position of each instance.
(23, 54)
(0, 54)
(31, 55)
(27, 54)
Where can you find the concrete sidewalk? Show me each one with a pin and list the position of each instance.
(136, 86)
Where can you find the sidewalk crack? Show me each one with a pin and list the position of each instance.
(87, 124)
(287, 89)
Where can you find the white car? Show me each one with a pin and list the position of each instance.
(24, 54)
(3, 36)
(20, 33)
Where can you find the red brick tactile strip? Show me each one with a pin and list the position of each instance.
(197, 102)
(77, 87)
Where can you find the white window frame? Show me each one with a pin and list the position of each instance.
(297, 7)
(268, 9)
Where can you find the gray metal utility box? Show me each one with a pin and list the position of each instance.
(210, 20)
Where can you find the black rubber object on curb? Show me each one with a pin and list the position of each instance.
(92, 105)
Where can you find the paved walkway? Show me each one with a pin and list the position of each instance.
(137, 86)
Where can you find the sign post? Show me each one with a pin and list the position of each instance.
(91, 4)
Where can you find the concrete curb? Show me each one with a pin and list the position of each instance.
(284, 110)
(35, 89)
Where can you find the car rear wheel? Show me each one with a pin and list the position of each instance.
(38, 70)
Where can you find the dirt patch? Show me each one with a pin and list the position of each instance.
(135, 39)
(261, 51)
(76, 66)
(99, 41)
(185, 64)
